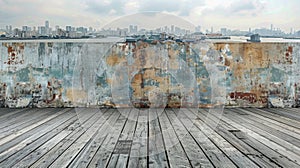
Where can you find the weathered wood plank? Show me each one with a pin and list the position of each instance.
(266, 150)
(175, 152)
(235, 155)
(120, 160)
(226, 132)
(89, 150)
(14, 117)
(275, 124)
(193, 151)
(236, 122)
(215, 155)
(275, 117)
(35, 133)
(26, 129)
(25, 122)
(67, 157)
(157, 149)
(244, 136)
(12, 155)
(29, 146)
(108, 143)
(138, 153)
(281, 130)
(267, 133)
(6, 112)
(87, 120)
(282, 112)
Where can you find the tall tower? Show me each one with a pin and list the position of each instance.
(47, 24)
(47, 27)
(271, 27)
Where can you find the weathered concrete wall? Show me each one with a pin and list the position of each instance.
(47, 74)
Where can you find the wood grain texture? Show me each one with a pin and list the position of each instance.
(86, 137)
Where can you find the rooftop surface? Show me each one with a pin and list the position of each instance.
(85, 137)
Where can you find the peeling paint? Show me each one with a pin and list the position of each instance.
(67, 74)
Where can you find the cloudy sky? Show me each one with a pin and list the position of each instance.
(234, 14)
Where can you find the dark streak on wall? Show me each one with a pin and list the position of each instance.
(64, 74)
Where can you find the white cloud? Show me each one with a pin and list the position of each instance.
(217, 13)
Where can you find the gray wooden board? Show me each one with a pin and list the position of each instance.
(274, 129)
(24, 114)
(175, 152)
(55, 137)
(138, 153)
(18, 146)
(29, 136)
(8, 112)
(216, 156)
(90, 117)
(294, 111)
(253, 126)
(156, 147)
(260, 137)
(120, 160)
(25, 130)
(275, 117)
(5, 110)
(25, 122)
(273, 155)
(17, 116)
(88, 153)
(235, 155)
(29, 145)
(105, 150)
(193, 151)
(282, 112)
(282, 127)
(67, 157)
(226, 132)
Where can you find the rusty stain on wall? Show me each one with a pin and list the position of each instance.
(65, 74)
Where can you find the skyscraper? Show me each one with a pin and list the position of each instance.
(47, 24)
(47, 27)
(68, 28)
(271, 27)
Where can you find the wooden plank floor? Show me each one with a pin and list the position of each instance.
(238, 137)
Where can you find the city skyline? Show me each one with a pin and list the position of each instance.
(117, 28)
(198, 28)
(234, 14)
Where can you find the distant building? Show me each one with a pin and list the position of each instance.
(135, 29)
(68, 28)
(25, 28)
(47, 27)
(17, 32)
(198, 29)
(223, 31)
(42, 30)
(172, 29)
(83, 30)
(56, 28)
(9, 29)
(90, 29)
(131, 29)
(254, 38)
(60, 32)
